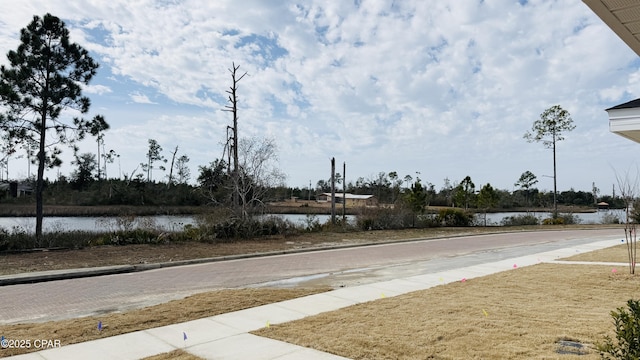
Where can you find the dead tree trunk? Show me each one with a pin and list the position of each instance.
(233, 108)
(173, 159)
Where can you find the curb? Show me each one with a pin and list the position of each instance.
(43, 276)
(54, 275)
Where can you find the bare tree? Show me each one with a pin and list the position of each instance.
(173, 160)
(628, 191)
(100, 141)
(232, 140)
(257, 172)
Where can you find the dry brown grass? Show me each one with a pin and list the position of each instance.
(193, 307)
(174, 355)
(528, 310)
(613, 254)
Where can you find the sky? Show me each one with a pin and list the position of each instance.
(434, 89)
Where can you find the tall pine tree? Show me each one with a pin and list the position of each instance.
(45, 78)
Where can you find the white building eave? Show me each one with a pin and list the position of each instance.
(623, 17)
(625, 122)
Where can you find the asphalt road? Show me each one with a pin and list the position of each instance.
(339, 267)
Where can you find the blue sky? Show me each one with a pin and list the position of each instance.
(446, 89)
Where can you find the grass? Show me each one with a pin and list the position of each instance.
(523, 313)
(190, 308)
(174, 355)
(612, 254)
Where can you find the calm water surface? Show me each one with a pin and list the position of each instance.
(177, 223)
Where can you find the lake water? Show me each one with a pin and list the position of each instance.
(585, 218)
(112, 223)
(177, 223)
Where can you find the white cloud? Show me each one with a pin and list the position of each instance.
(140, 98)
(444, 88)
(96, 89)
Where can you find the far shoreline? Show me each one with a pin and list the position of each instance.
(285, 207)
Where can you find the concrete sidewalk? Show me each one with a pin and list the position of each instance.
(227, 336)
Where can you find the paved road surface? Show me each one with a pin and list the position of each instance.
(341, 267)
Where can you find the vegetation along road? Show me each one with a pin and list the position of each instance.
(85, 296)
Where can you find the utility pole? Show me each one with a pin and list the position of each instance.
(98, 158)
(344, 194)
(555, 186)
(333, 191)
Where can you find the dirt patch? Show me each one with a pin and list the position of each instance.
(191, 308)
(174, 355)
(523, 313)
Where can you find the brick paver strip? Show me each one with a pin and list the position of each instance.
(85, 296)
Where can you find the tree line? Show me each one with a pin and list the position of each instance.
(43, 108)
(212, 187)
(388, 188)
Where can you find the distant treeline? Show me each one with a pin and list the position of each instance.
(137, 192)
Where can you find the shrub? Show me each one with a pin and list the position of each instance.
(427, 221)
(384, 218)
(520, 220)
(627, 344)
(610, 218)
(562, 219)
(136, 236)
(312, 223)
(191, 232)
(552, 221)
(570, 219)
(214, 228)
(75, 239)
(16, 239)
(454, 217)
(275, 225)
